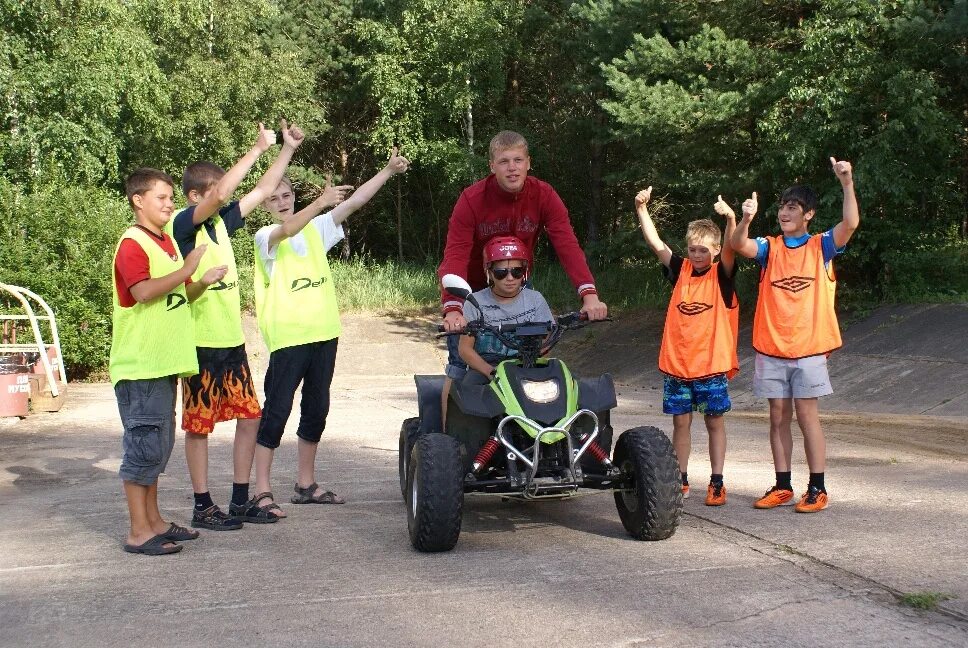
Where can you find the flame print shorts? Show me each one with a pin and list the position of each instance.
(222, 390)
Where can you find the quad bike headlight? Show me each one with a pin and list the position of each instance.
(545, 391)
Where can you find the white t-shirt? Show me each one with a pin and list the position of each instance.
(329, 231)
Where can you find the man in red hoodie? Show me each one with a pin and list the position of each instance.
(508, 203)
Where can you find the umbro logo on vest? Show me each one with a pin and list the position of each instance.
(793, 284)
(692, 308)
(175, 300)
(221, 285)
(306, 282)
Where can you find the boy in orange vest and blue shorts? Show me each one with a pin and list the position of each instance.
(698, 352)
(795, 328)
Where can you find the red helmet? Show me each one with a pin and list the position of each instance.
(502, 248)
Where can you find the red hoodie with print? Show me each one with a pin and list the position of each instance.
(484, 210)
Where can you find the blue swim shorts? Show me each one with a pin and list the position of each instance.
(708, 396)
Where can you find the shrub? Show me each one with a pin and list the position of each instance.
(59, 242)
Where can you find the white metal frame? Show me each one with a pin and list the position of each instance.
(24, 296)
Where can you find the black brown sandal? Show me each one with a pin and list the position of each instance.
(271, 508)
(308, 496)
(252, 512)
(176, 533)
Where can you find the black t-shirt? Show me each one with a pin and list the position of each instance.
(184, 230)
(727, 281)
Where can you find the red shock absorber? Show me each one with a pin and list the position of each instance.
(485, 453)
(596, 451)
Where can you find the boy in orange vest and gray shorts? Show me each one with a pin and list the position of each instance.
(698, 353)
(795, 328)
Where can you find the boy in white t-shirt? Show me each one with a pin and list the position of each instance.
(299, 320)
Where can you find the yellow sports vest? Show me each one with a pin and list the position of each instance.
(218, 312)
(795, 316)
(700, 334)
(297, 305)
(155, 339)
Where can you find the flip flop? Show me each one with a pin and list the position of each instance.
(307, 496)
(154, 547)
(177, 533)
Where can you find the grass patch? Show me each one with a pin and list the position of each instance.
(410, 288)
(363, 284)
(923, 600)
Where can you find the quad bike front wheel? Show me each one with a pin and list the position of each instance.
(650, 504)
(408, 435)
(435, 493)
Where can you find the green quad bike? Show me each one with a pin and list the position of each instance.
(533, 432)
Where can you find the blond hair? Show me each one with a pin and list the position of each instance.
(702, 230)
(505, 140)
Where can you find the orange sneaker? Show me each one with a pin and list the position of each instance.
(812, 501)
(715, 495)
(685, 491)
(773, 498)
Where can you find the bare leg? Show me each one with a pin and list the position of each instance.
(263, 465)
(814, 443)
(444, 395)
(141, 529)
(306, 469)
(716, 426)
(243, 450)
(781, 438)
(196, 456)
(158, 525)
(682, 439)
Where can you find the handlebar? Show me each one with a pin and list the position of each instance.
(572, 320)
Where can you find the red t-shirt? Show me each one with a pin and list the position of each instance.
(484, 210)
(131, 264)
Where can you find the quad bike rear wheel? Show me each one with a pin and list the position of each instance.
(435, 493)
(650, 505)
(408, 435)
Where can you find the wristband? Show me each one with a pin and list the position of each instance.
(493, 373)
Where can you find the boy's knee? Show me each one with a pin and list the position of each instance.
(268, 438)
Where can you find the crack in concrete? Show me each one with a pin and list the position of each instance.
(835, 578)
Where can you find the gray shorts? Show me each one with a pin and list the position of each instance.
(783, 378)
(147, 409)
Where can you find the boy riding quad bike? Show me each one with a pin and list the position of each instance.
(529, 431)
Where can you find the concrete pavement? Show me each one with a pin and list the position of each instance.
(549, 574)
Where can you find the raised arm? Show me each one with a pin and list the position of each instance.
(329, 197)
(851, 220)
(210, 203)
(740, 240)
(651, 235)
(397, 164)
(727, 256)
(292, 137)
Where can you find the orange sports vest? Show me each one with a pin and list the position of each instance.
(795, 315)
(699, 338)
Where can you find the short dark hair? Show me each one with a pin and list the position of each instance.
(142, 180)
(200, 176)
(802, 194)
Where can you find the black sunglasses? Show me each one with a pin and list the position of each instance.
(501, 273)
